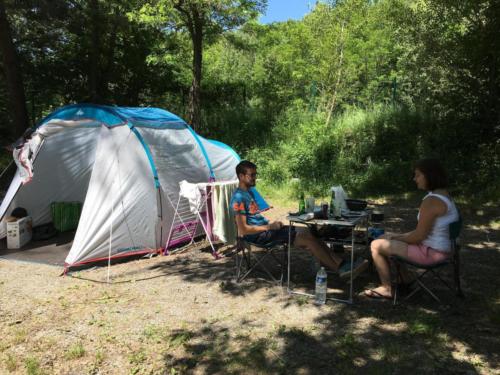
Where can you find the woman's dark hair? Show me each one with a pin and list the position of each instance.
(434, 173)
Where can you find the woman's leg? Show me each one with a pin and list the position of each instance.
(318, 249)
(381, 249)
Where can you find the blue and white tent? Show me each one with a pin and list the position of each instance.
(125, 165)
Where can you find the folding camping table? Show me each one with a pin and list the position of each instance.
(350, 222)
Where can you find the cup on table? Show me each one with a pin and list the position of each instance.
(324, 209)
(310, 204)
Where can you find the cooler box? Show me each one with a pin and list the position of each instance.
(65, 215)
(19, 233)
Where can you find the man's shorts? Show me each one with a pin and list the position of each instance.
(271, 237)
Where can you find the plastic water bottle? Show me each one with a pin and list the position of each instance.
(321, 287)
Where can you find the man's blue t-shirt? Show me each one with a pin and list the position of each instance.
(243, 203)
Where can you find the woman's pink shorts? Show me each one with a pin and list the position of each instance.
(425, 255)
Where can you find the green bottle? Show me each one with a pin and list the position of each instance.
(302, 204)
(332, 206)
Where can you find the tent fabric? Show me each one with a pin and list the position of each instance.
(61, 173)
(115, 116)
(125, 165)
(120, 205)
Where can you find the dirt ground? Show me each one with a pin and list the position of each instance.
(185, 314)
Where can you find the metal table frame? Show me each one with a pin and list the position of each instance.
(347, 222)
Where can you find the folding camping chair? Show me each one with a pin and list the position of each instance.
(248, 261)
(433, 269)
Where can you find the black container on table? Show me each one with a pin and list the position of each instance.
(356, 204)
(377, 216)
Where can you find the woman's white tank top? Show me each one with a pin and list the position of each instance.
(439, 237)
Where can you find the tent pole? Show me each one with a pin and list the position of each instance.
(110, 240)
(5, 170)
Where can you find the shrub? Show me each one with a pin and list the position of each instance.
(366, 150)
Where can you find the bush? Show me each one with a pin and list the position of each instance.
(365, 150)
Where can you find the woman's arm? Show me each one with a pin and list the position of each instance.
(430, 209)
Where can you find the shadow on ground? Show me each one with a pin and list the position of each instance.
(460, 336)
(419, 336)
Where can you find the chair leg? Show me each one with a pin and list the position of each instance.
(456, 275)
(262, 266)
(422, 285)
(438, 276)
(394, 284)
(254, 262)
(238, 263)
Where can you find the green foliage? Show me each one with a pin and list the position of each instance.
(359, 149)
(352, 94)
(75, 351)
(32, 366)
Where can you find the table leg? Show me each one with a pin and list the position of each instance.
(289, 258)
(352, 266)
(289, 289)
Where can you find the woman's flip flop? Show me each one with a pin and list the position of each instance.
(372, 293)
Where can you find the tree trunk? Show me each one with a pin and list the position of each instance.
(107, 69)
(13, 75)
(194, 110)
(94, 53)
(331, 106)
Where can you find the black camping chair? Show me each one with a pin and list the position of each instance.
(433, 269)
(262, 258)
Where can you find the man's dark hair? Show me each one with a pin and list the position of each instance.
(434, 173)
(243, 166)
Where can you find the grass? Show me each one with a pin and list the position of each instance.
(76, 351)
(178, 339)
(19, 336)
(98, 361)
(281, 194)
(99, 356)
(32, 366)
(137, 357)
(422, 324)
(347, 346)
(250, 330)
(10, 362)
(153, 333)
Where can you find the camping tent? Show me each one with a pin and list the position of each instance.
(124, 164)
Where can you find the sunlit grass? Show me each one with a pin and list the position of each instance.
(10, 362)
(32, 366)
(75, 351)
(178, 339)
(19, 336)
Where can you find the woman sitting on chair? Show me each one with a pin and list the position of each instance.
(429, 242)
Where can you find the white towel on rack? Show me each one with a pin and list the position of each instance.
(224, 224)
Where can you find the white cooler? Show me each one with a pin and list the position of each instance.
(19, 232)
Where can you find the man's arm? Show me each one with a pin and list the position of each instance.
(244, 228)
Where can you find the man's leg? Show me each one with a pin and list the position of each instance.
(381, 249)
(318, 249)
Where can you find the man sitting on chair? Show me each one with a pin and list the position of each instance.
(256, 229)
